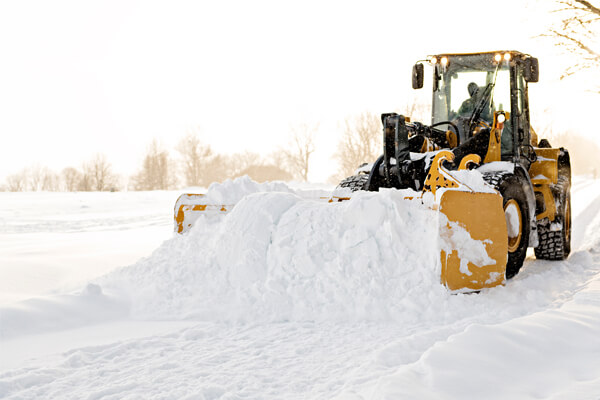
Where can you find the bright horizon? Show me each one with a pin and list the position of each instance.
(80, 78)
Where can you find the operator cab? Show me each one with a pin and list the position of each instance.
(469, 88)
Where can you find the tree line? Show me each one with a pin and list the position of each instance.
(193, 163)
(95, 175)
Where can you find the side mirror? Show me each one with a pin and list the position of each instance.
(417, 76)
(532, 70)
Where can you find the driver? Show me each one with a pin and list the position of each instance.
(468, 106)
(475, 111)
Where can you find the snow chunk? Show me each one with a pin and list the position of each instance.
(473, 180)
(497, 166)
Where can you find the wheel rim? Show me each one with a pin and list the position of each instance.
(514, 224)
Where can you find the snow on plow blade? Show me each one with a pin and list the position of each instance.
(464, 268)
(189, 207)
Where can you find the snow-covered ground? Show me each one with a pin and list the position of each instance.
(285, 297)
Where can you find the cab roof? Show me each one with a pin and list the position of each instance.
(513, 53)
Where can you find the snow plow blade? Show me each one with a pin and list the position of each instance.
(471, 230)
(464, 268)
(482, 216)
(189, 207)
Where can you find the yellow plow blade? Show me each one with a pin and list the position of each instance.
(189, 207)
(482, 216)
(473, 245)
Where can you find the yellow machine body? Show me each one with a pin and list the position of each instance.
(543, 173)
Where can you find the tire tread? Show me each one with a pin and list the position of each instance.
(551, 242)
(354, 182)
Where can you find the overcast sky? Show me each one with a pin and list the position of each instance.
(81, 77)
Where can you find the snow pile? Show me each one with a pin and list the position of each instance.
(279, 257)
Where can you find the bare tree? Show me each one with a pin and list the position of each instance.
(297, 154)
(50, 181)
(360, 143)
(216, 169)
(86, 180)
(266, 172)
(101, 174)
(417, 109)
(17, 182)
(70, 178)
(157, 171)
(35, 177)
(238, 164)
(577, 33)
(201, 166)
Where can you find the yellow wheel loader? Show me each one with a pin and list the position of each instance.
(480, 126)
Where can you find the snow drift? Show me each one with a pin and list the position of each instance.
(278, 256)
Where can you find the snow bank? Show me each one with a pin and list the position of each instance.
(279, 257)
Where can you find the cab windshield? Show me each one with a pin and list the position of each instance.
(468, 89)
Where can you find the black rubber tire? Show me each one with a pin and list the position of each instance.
(554, 242)
(354, 182)
(510, 187)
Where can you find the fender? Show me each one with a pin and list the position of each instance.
(375, 180)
